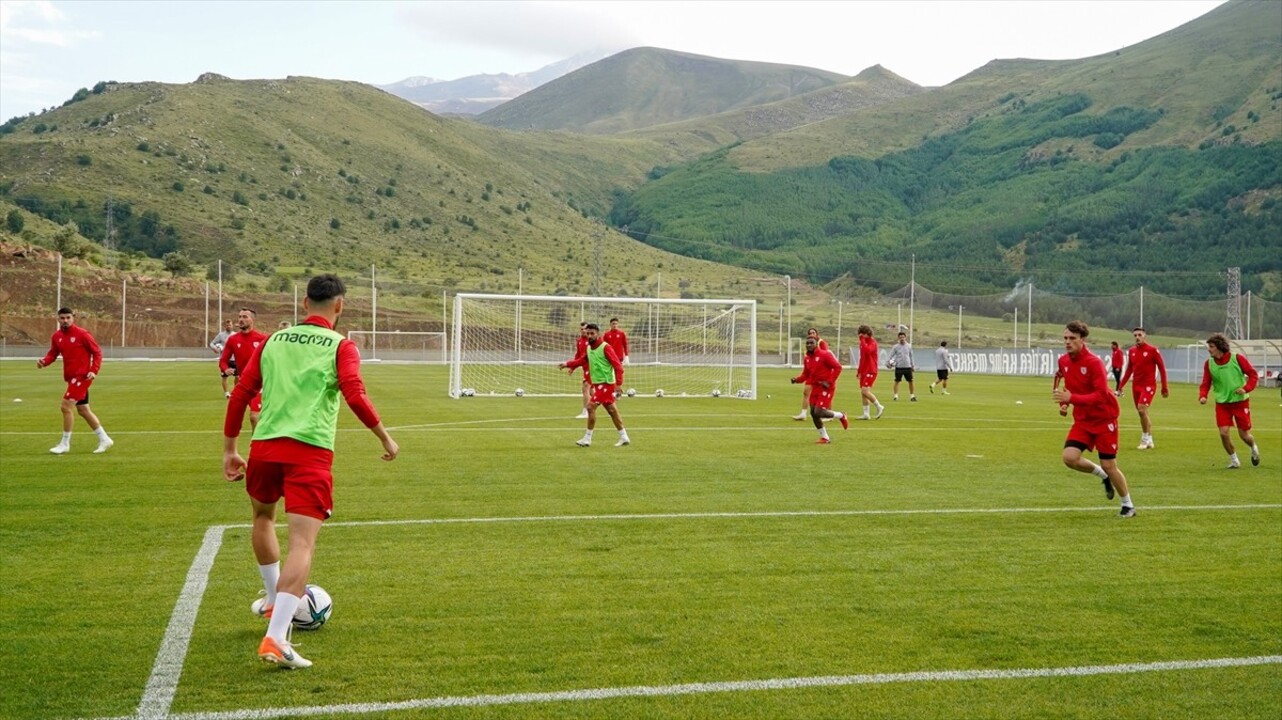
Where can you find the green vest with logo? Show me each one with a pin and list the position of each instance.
(1226, 378)
(599, 367)
(300, 386)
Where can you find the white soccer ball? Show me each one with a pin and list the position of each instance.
(1019, 402)
(467, 392)
(520, 392)
(716, 392)
(314, 610)
(658, 393)
(743, 393)
(632, 392)
(18, 400)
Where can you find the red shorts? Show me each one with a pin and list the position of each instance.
(1143, 395)
(296, 471)
(1226, 414)
(78, 390)
(1102, 438)
(867, 379)
(821, 397)
(603, 394)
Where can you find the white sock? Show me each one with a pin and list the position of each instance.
(271, 575)
(283, 616)
(101, 432)
(623, 434)
(1100, 472)
(66, 438)
(587, 434)
(1126, 501)
(880, 406)
(1233, 457)
(839, 415)
(823, 433)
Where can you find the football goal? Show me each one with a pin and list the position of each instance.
(503, 344)
(397, 346)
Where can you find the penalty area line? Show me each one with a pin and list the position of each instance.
(698, 688)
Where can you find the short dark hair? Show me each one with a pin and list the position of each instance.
(902, 334)
(65, 311)
(591, 326)
(1078, 328)
(865, 330)
(1220, 341)
(1139, 328)
(251, 311)
(614, 319)
(943, 343)
(324, 288)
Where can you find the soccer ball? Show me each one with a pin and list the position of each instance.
(314, 610)
(520, 392)
(743, 393)
(467, 392)
(658, 393)
(716, 392)
(632, 392)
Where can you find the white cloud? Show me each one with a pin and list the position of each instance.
(38, 22)
(548, 29)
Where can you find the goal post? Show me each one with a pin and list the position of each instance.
(692, 348)
(398, 346)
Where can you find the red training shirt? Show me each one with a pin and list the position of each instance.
(80, 352)
(618, 340)
(241, 346)
(867, 355)
(1144, 363)
(582, 361)
(1094, 403)
(819, 367)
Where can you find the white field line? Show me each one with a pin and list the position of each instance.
(162, 686)
(793, 683)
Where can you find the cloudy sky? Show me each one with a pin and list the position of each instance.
(50, 48)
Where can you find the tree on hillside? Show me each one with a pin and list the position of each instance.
(176, 263)
(15, 222)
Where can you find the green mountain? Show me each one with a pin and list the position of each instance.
(1156, 165)
(277, 176)
(643, 87)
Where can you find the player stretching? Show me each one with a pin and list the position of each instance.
(1144, 362)
(603, 366)
(819, 371)
(81, 360)
(238, 349)
(805, 389)
(1095, 414)
(300, 372)
(868, 371)
(1232, 383)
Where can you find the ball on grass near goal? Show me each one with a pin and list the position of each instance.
(467, 392)
(658, 393)
(716, 392)
(632, 392)
(520, 392)
(314, 610)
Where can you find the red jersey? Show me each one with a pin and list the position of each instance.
(581, 352)
(1144, 363)
(583, 362)
(867, 355)
(1094, 403)
(80, 352)
(349, 383)
(819, 367)
(618, 340)
(1116, 360)
(240, 346)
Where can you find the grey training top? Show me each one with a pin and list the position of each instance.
(219, 341)
(901, 355)
(942, 361)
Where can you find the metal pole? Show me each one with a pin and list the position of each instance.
(1015, 341)
(912, 297)
(1028, 321)
(520, 290)
(959, 309)
(838, 329)
(58, 305)
(122, 313)
(207, 337)
(373, 316)
(220, 292)
(1141, 306)
(1248, 314)
(788, 279)
(295, 303)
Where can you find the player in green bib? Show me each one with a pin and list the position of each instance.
(1232, 378)
(605, 372)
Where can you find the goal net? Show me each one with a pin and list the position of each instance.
(397, 346)
(696, 348)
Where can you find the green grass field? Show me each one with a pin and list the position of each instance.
(495, 562)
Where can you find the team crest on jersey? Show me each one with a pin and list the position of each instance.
(73, 338)
(1083, 371)
(255, 343)
(1111, 427)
